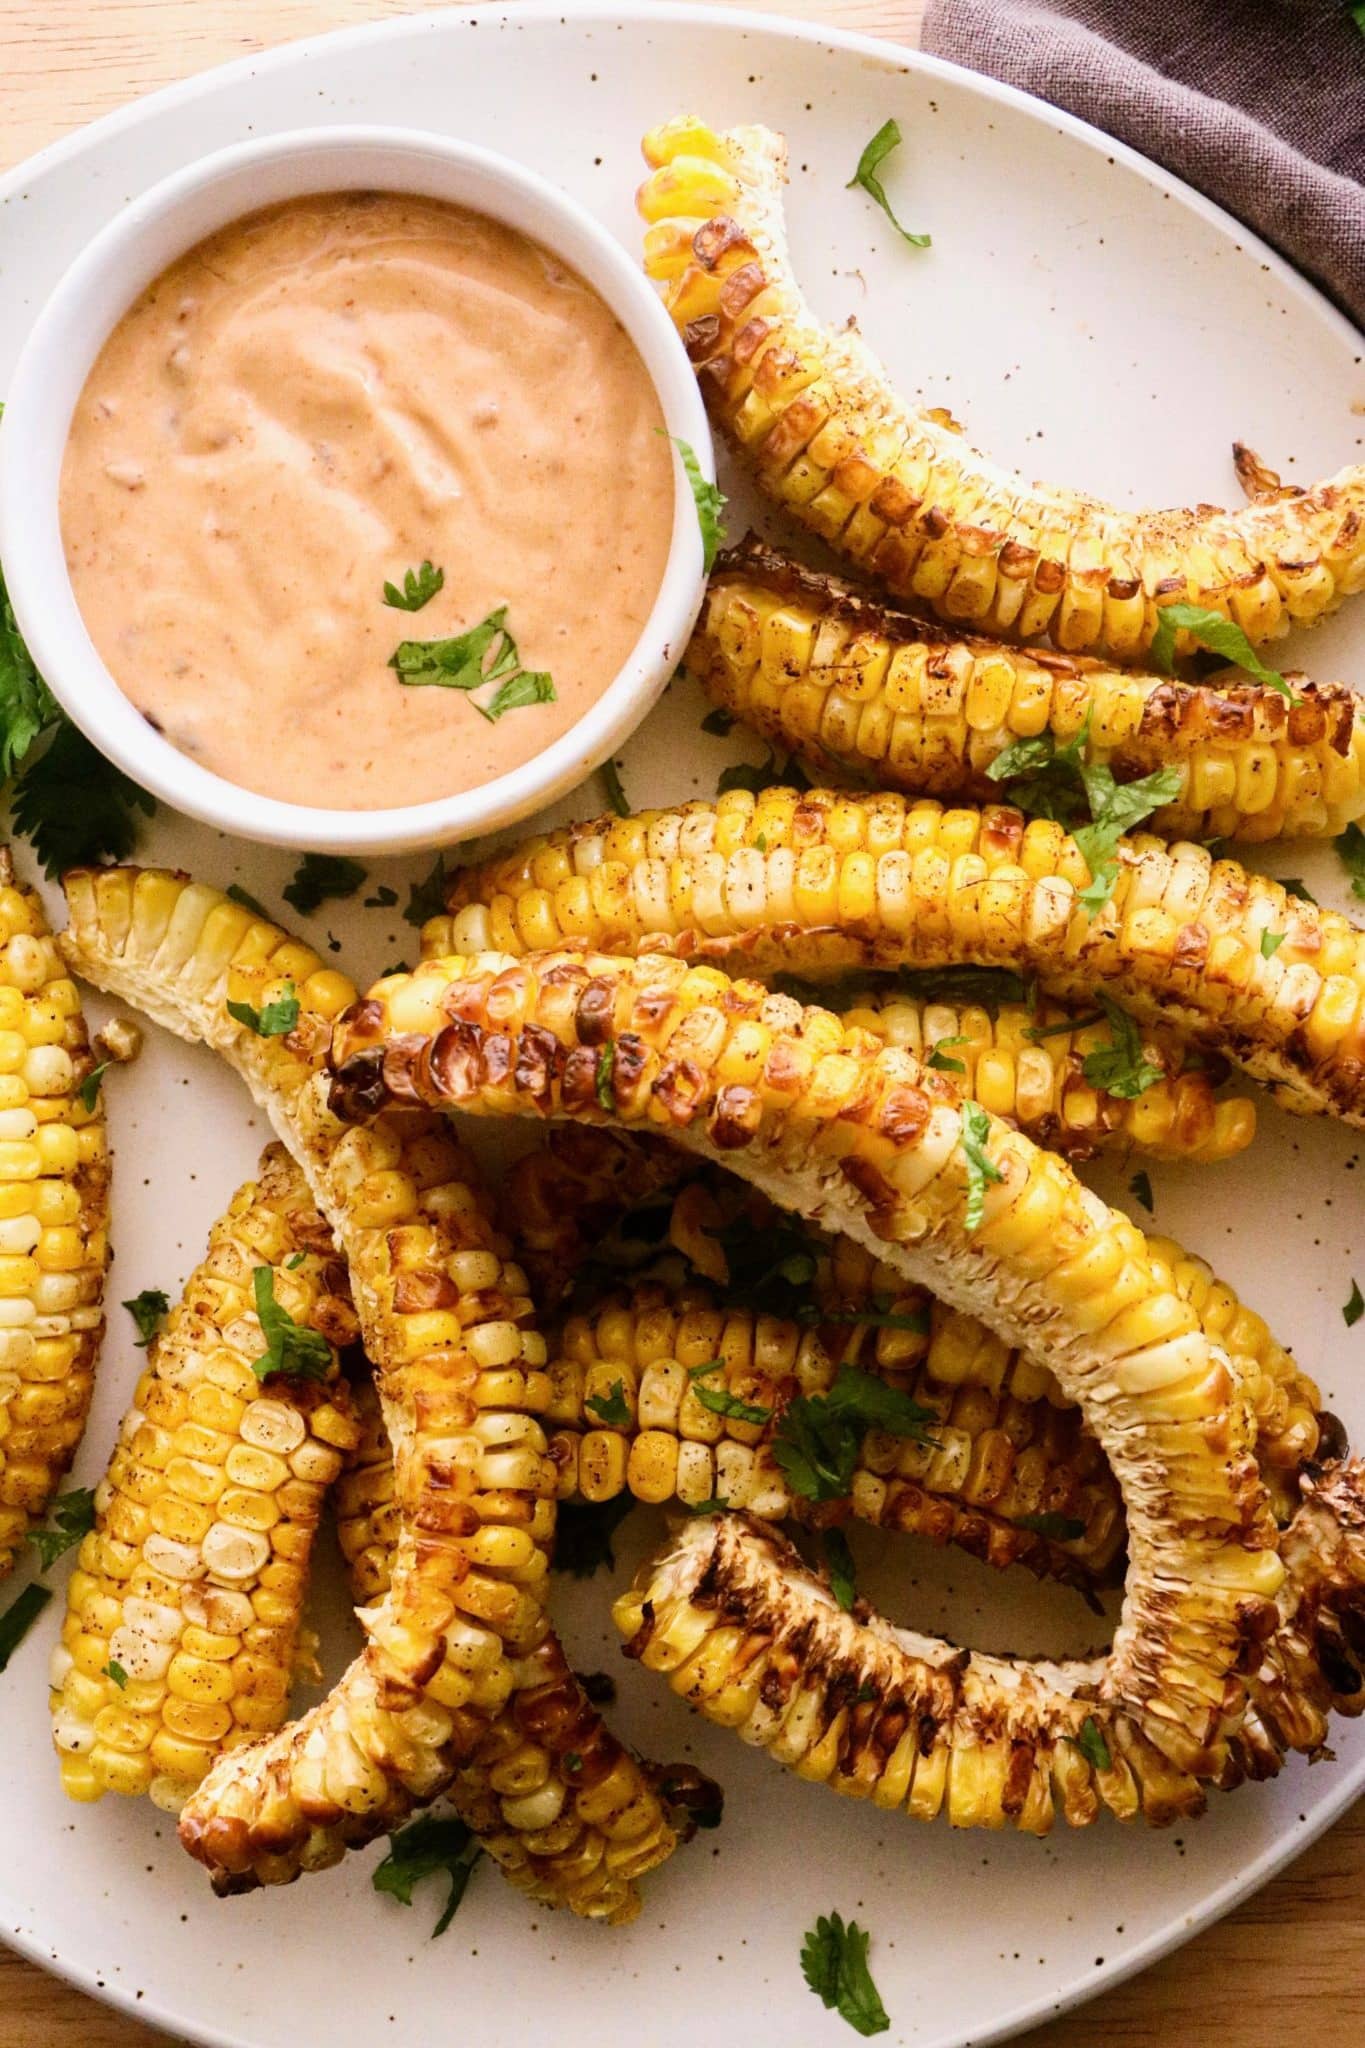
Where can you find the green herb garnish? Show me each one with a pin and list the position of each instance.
(771, 774)
(1294, 885)
(1057, 1528)
(613, 1409)
(274, 1019)
(987, 986)
(720, 1401)
(427, 898)
(383, 898)
(718, 724)
(428, 1847)
(887, 138)
(292, 1350)
(1219, 635)
(1140, 1188)
(113, 1669)
(321, 876)
(1355, 1306)
(72, 1516)
(611, 782)
(419, 587)
(1115, 808)
(939, 1058)
(583, 1535)
(237, 894)
(1271, 943)
(1092, 1745)
(839, 1565)
(976, 1130)
(88, 1093)
(605, 1075)
(1350, 846)
(709, 500)
(19, 1617)
(147, 1311)
(75, 807)
(486, 653)
(528, 686)
(1119, 1068)
(818, 1436)
(834, 1964)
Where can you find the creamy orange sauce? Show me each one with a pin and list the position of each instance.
(315, 400)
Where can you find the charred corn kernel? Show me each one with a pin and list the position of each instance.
(524, 1037)
(904, 495)
(188, 1678)
(1178, 943)
(54, 1198)
(447, 1322)
(827, 672)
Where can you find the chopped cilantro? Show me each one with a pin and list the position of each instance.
(583, 1534)
(1355, 1306)
(976, 1130)
(719, 1400)
(147, 1310)
(292, 1350)
(1119, 1069)
(74, 806)
(940, 1059)
(88, 1093)
(19, 1617)
(1092, 1745)
(237, 894)
(321, 876)
(419, 587)
(274, 1019)
(427, 898)
(611, 782)
(428, 1847)
(839, 1565)
(72, 1516)
(887, 138)
(1350, 846)
(834, 1965)
(113, 1669)
(709, 500)
(1219, 635)
(1271, 943)
(1140, 1188)
(718, 724)
(611, 1409)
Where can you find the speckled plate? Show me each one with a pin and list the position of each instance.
(1089, 319)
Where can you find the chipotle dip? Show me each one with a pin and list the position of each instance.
(344, 395)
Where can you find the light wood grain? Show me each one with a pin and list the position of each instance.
(1287, 1966)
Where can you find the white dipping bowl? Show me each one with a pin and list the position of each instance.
(61, 350)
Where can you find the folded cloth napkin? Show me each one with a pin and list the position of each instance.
(1259, 103)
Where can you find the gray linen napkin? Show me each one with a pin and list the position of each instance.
(1259, 103)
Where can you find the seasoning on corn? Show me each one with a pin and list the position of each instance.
(192, 1581)
(825, 670)
(822, 882)
(54, 1216)
(460, 1643)
(902, 493)
(865, 1141)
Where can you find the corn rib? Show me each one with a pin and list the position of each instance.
(183, 1614)
(824, 882)
(460, 1372)
(827, 671)
(901, 493)
(54, 1216)
(869, 1144)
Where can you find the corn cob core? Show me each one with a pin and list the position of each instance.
(823, 669)
(448, 1324)
(868, 1143)
(822, 882)
(899, 492)
(184, 1610)
(54, 1216)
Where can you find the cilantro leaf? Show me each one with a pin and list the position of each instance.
(1058, 1528)
(428, 1847)
(1092, 1745)
(419, 587)
(383, 898)
(583, 1534)
(321, 876)
(1350, 846)
(427, 898)
(939, 1059)
(292, 1350)
(1045, 780)
(528, 686)
(834, 1965)
(839, 1565)
(238, 894)
(147, 1310)
(27, 706)
(1140, 1188)
(88, 1092)
(461, 662)
(887, 138)
(771, 774)
(274, 1019)
(871, 1402)
(818, 1436)
(719, 1400)
(1115, 808)
(1271, 943)
(709, 500)
(718, 724)
(1219, 635)
(988, 986)
(72, 1516)
(113, 1669)
(611, 1409)
(611, 782)
(1119, 1069)
(976, 1130)
(19, 1617)
(1294, 885)
(75, 807)
(1355, 1306)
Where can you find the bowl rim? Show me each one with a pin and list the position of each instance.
(36, 422)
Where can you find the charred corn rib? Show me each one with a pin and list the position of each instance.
(901, 493)
(993, 1463)
(457, 1643)
(183, 1612)
(869, 1144)
(827, 671)
(823, 882)
(748, 1636)
(54, 1216)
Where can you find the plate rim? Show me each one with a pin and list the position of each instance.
(1284, 1850)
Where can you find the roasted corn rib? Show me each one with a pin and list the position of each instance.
(1019, 1060)
(54, 1216)
(750, 1637)
(458, 1643)
(828, 671)
(183, 1613)
(822, 882)
(900, 491)
(868, 1143)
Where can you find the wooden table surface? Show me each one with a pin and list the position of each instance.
(1288, 1964)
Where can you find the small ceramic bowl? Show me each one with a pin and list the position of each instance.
(123, 259)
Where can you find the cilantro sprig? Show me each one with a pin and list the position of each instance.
(834, 1965)
(1120, 1068)
(719, 1400)
(428, 1847)
(887, 138)
(709, 499)
(274, 1019)
(818, 1436)
(611, 1409)
(419, 587)
(292, 1350)
(1219, 634)
(321, 877)
(484, 654)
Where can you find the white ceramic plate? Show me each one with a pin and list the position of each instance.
(1089, 319)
